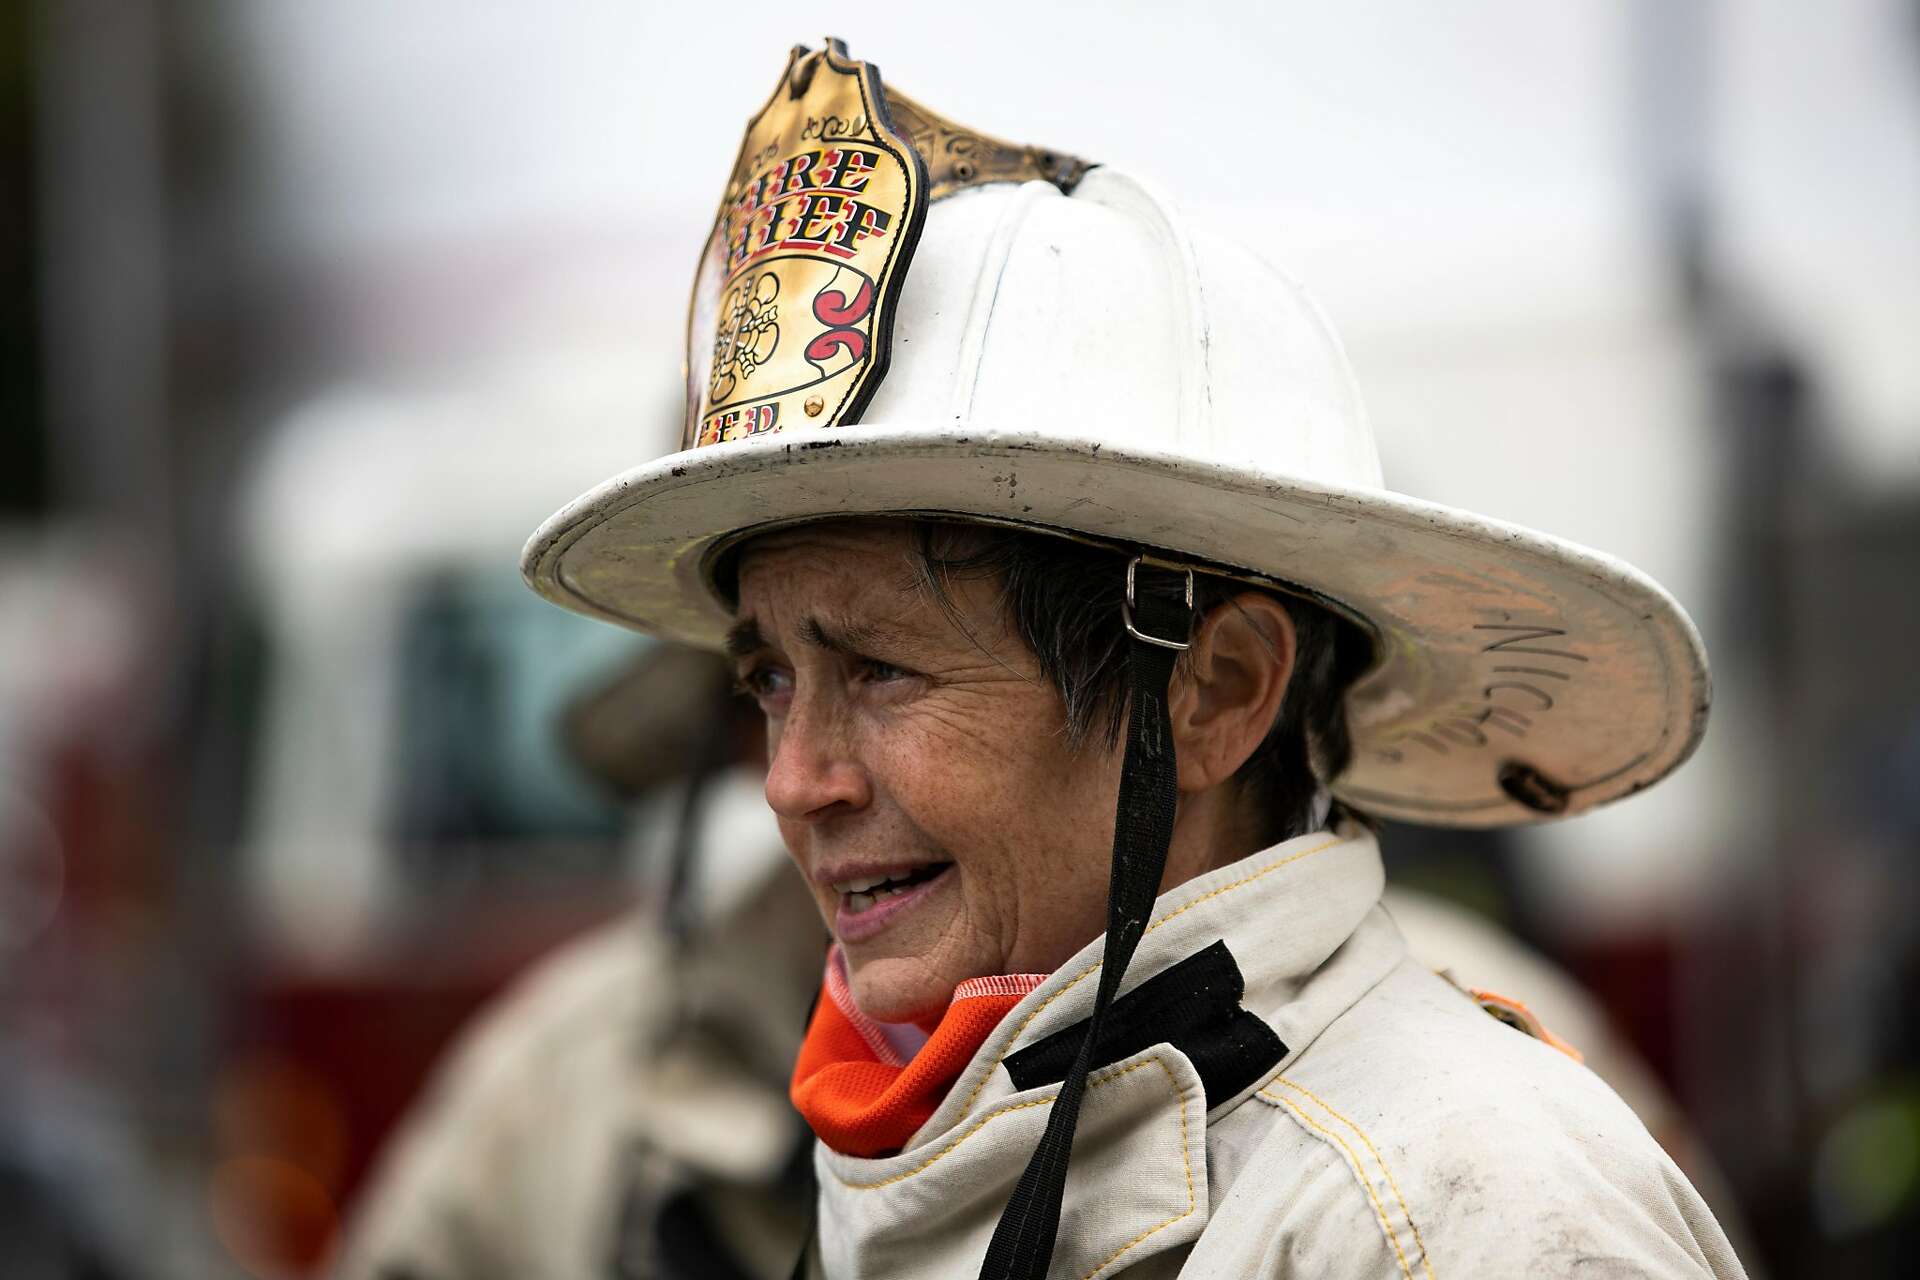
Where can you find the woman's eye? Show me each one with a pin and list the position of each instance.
(873, 671)
(764, 683)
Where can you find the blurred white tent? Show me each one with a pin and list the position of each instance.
(360, 506)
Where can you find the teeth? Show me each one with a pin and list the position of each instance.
(863, 891)
(858, 901)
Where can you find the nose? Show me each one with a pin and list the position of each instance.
(814, 774)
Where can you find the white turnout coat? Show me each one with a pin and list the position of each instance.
(1402, 1132)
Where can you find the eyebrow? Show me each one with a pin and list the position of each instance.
(842, 637)
(745, 638)
(850, 638)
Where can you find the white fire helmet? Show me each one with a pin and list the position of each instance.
(895, 315)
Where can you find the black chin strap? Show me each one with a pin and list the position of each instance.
(1158, 618)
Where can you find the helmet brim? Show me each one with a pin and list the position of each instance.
(1517, 676)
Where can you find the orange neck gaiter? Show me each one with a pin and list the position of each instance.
(853, 1085)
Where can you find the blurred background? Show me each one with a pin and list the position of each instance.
(313, 311)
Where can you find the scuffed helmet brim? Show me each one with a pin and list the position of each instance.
(1517, 676)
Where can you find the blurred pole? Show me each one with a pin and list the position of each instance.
(103, 284)
(1733, 966)
(136, 1017)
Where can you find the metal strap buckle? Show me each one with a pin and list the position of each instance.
(1126, 609)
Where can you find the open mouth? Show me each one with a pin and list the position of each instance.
(861, 895)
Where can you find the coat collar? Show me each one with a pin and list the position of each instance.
(1139, 1179)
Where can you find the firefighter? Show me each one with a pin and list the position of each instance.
(1048, 534)
(620, 1113)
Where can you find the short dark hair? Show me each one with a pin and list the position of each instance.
(1063, 598)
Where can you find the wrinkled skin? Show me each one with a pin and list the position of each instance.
(903, 736)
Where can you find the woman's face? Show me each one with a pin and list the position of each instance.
(919, 768)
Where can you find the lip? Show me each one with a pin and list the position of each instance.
(851, 928)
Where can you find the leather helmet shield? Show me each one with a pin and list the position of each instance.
(792, 307)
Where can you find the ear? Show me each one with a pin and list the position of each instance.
(1228, 688)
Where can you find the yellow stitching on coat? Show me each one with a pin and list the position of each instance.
(1360, 1171)
(981, 1123)
(1078, 977)
(1426, 1259)
(1093, 1082)
(1186, 1159)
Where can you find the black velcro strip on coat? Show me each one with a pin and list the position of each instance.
(1194, 1006)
